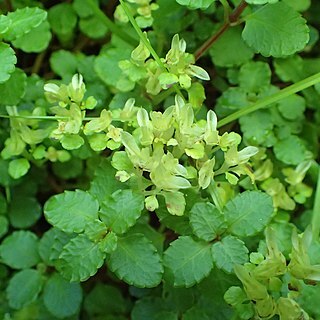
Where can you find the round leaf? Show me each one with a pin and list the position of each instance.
(71, 210)
(228, 252)
(190, 261)
(61, 297)
(136, 261)
(248, 213)
(206, 221)
(24, 288)
(20, 250)
(8, 60)
(276, 30)
(80, 258)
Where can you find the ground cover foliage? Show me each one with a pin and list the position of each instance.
(159, 159)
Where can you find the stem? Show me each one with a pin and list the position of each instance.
(316, 211)
(111, 25)
(8, 194)
(146, 42)
(226, 8)
(294, 88)
(38, 62)
(230, 21)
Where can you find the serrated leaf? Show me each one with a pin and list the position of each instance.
(230, 49)
(207, 221)
(290, 150)
(254, 75)
(292, 107)
(104, 182)
(4, 23)
(282, 29)
(24, 288)
(121, 210)
(8, 60)
(20, 250)
(80, 258)
(36, 40)
(260, 2)
(70, 211)
(62, 298)
(190, 261)
(23, 20)
(136, 261)
(196, 4)
(13, 89)
(248, 213)
(24, 211)
(229, 252)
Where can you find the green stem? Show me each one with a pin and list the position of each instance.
(146, 42)
(316, 211)
(226, 8)
(212, 189)
(8, 194)
(284, 93)
(33, 117)
(111, 25)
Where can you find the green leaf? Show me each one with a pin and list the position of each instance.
(18, 168)
(207, 221)
(121, 210)
(136, 261)
(257, 128)
(93, 27)
(4, 23)
(8, 60)
(13, 89)
(290, 150)
(20, 250)
(4, 226)
(230, 49)
(64, 64)
(24, 288)
(104, 299)
(254, 75)
(63, 19)
(298, 5)
(229, 252)
(71, 141)
(36, 40)
(196, 4)
(292, 107)
(62, 298)
(80, 258)
(23, 20)
(70, 211)
(190, 261)
(248, 213)
(276, 30)
(24, 211)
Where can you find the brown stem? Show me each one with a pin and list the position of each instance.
(232, 19)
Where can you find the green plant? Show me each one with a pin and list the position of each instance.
(147, 182)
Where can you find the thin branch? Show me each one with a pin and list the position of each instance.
(232, 19)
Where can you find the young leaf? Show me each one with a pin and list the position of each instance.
(229, 252)
(20, 250)
(121, 210)
(70, 211)
(8, 60)
(282, 29)
(207, 221)
(190, 261)
(62, 298)
(136, 261)
(4, 226)
(24, 288)
(248, 213)
(18, 168)
(80, 258)
(23, 20)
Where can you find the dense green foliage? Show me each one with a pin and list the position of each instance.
(159, 159)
